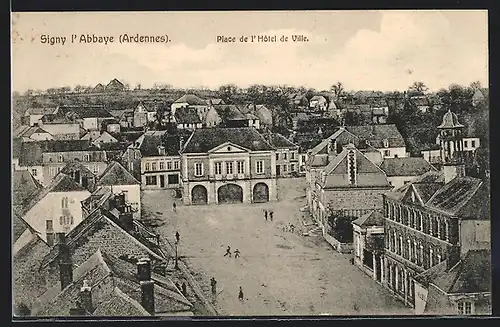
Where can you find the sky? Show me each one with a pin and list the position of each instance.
(365, 50)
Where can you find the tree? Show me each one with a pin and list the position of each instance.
(341, 227)
(353, 118)
(337, 90)
(228, 93)
(78, 88)
(476, 85)
(418, 88)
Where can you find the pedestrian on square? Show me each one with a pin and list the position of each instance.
(177, 236)
(184, 289)
(292, 228)
(228, 251)
(240, 294)
(265, 214)
(174, 207)
(236, 253)
(271, 215)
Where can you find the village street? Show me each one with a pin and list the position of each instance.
(281, 273)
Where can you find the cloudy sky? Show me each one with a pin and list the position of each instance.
(381, 50)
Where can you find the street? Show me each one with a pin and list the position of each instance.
(280, 272)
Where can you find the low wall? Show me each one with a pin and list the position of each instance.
(340, 247)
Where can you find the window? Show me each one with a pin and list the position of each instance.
(150, 180)
(285, 168)
(386, 143)
(49, 225)
(60, 158)
(52, 171)
(218, 168)
(277, 156)
(86, 157)
(169, 165)
(387, 153)
(96, 169)
(303, 158)
(198, 169)
(293, 167)
(161, 150)
(229, 167)
(241, 167)
(33, 172)
(292, 155)
(64, 203)
(173, 179)
(136, 154)
(146, 166)
(284, 156)
(466, 144)
(176, 164)
(125, 194)
(58, 169)
(162, 165)
(259, 167)
(464, 308)
(66, 220)
(153, 166)
(473, 144)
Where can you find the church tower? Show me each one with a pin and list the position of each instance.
(452, 147)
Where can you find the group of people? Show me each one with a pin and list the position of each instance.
(228, 252)
(289, 228)
(268, 214)
(213, 285)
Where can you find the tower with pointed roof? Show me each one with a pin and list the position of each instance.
(452, 147)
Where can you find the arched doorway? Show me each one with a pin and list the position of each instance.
(230, 193)
(199, 195)
(260, 193)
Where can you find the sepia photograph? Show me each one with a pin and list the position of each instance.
(250, 163)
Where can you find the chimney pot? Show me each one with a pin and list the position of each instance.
(144, 269)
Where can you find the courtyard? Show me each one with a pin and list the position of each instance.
(280, 272)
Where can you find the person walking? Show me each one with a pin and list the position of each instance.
(174, 207)
(177, 236)
(236, 253)
(271, 216)
(265, 214)
(213, 284)
(228, 251)
(240, 294)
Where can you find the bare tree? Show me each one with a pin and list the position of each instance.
(337, 90)
(418, 87)
(476, 85)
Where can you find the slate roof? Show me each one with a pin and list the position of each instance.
(229, 112)
(60, 183)
(57, 119)
(91, 135)
(191, 99)
(31, 130)
(40, 111)
(204, 140)
(374, 218)
(86, 111)
(377, 133)
(18, 227)
(85, 239)
(24, 187)
(367, 173)
(471, 275)
(426, 277)
(117, 290)
(28, 282)
(407, 166)
(463, 196)
(279, 141)
(116, 174)
(151, 140)
(187, 116)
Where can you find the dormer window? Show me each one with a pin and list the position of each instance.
(60, 158)
(86, 157)
(161, 150)
(386, 143)
(228, 148)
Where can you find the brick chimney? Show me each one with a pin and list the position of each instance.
(86, 296)
(147, 285)
(65, 264)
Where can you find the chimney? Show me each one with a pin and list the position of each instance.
(86, 296)
(147, 285)
(452, 170)
(50, 238)
(65, 264)
(127, 219)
